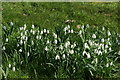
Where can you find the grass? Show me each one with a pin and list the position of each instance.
(50, 15)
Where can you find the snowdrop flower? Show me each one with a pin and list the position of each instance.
(90, 42)
(119, 53)
(64, 56)
(48, 42)
(33, 32)
(72, 46)
(37, 37)
(32, 43)
(57, 57)
(4, 27)
(68, 26)
(88, 55)
(20, 50)
(108, 39)
(111, 63)
(68, 31)
(48, 31)
(46, 48)
(41, 32)
(99, 52)
(21, 42)
(44, 30)
(55, 41)
(21, 28)
(17, 45)
(4, 48)
(93, 36)
(33, 26)
(67, 44)
(55, 35)
(96, 60)
(65, 29)
(86, 46)
(40, 37)
(103, 28)
(26, 38)
(25, 32)
(6, 39)
(28, 54)
(11, 23)
(102, 40)
(82, 26)
(72, 31)
(110, 49)
(71, 51)
(61, 47)
(80, 32)
(23, 37)
(13, 68)
(105, 51)
(25, 26)
(9, 65)
(21, 34)
(84, 52)
(107, 65)
(109, 33)
(106, 46)
(87, 26)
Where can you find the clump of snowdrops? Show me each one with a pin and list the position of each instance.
(88, 53)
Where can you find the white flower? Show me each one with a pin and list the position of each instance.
(23, 37)
(61, 47)
(106, 46)
(4, 27)
(111, 63)
(109, 33)
(26, 32)
(84, 52)
(55, 41)
(11, 23)
(67, 44)
(41, 32)
(21, 42)
(103, 28)
(33, 26)
(80, 32)
(72, 46)
(32, 43)
(99, 52)
(105, 50)
(44, 30)
(110, 49)
(48, 31)
(68, 31)
(65, 29)
(86, 46)
(17, 45)
(82, 26)
(119, 53)
(9, 65)
(88, 55)
(26, 38)
(68, 26)
(93, 36)
(33, 32)
(21, 34)
(64, 56)
(4, 48)
(28, 54)
(25, 26)
(46, 48)
(90, 42)
(55, 35)
(37, 37)
(96, 60)
(71, 51)
(20, 50)
(107, 65)
(48, 42)
(72, 31)
(102, 40)
(108, 39)
(13, 68)
(21, 28)
(6, 39)
(57, 57)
